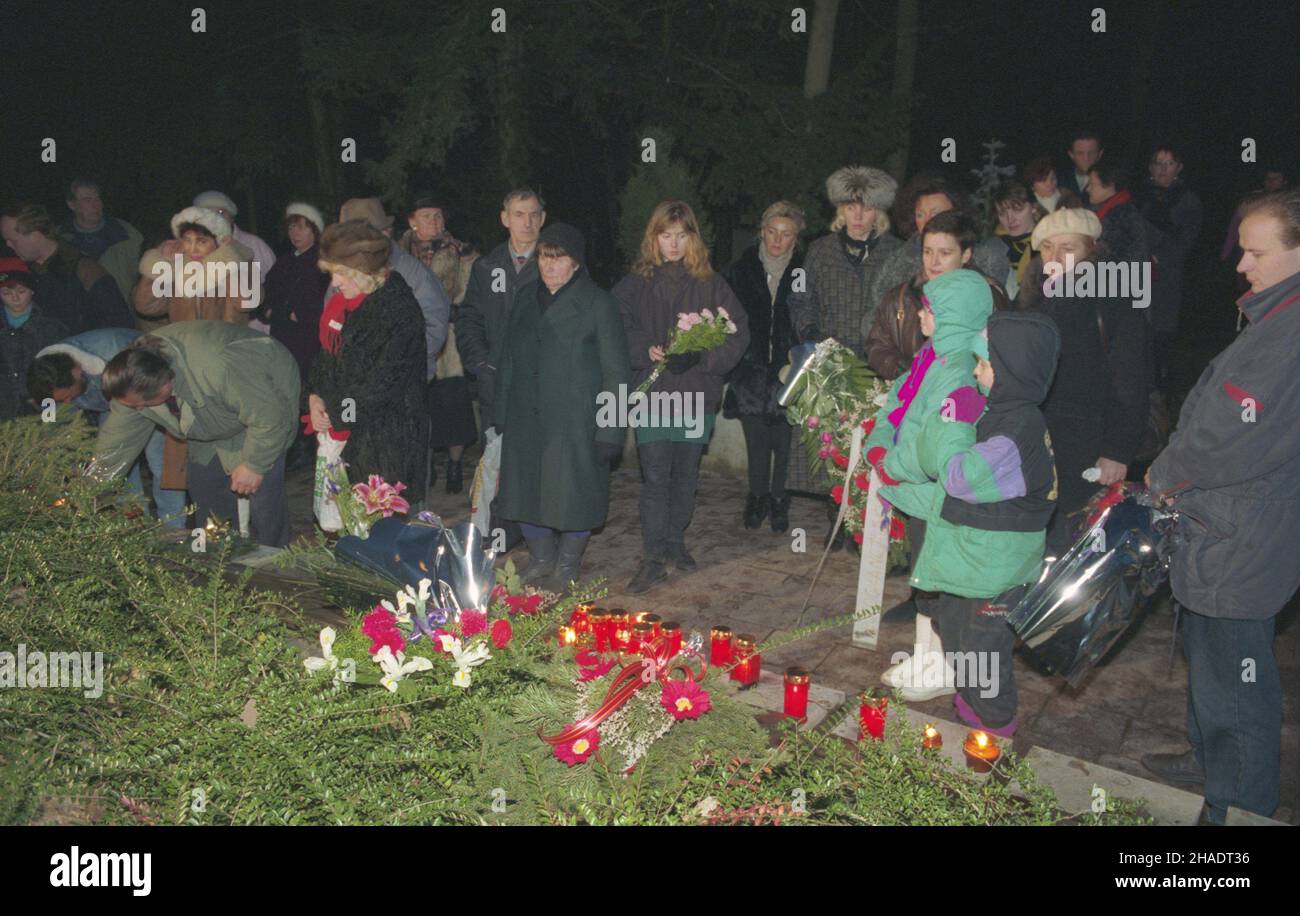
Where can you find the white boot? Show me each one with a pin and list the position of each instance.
(925, 674)
(897, 675)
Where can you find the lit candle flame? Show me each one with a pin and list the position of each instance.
(931, 731)
(982, 740)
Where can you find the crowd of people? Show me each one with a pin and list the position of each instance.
(1013, 397)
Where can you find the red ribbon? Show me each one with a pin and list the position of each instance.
(628, 681)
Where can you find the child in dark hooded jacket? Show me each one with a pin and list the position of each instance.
(986, 543)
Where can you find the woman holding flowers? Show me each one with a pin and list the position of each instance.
(368, 379)
(673, 304)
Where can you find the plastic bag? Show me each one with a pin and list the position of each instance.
(329, 456)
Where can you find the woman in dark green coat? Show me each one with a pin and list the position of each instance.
(565, 359)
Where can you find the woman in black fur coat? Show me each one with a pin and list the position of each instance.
(368, 378)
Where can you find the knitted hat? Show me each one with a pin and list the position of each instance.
(564, 236)
(215, 200)
(210, 220)
(1074, 220)
(369, 209)
(356, 246)
(858, 184)
(14, 272)
(307, 212)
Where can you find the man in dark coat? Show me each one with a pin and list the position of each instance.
(1173, 213)
(71, 287)
(483, 325)
(1232, 470)
(562, 368)
(24, 331)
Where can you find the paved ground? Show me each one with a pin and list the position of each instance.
(753, 582)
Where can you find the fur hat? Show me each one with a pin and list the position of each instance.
(860, 184)
(307, 212)
(355, 245)
(370, 209)
(210, 220)
(1068, 219)
(215, 200)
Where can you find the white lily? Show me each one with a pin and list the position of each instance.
(327, 657)
(396, 667)
(409, 597)
(465, 660)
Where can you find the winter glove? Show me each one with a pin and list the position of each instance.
(876, 458)
(681, 362)
(607, 453)
(963, 405)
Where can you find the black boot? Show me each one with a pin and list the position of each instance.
(648, 575)
(683, 560)
(755, 510)
(568, 567)
(780, 514)
(455, 476)
(544, 554)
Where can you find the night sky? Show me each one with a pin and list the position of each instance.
(157, 113)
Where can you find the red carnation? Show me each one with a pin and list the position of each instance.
(841, 461)
(897, 530)
(837, 494)
(857, 538)
(868, 425)
(501, 633)
(381, 626)
(863, 481)
(472, 622)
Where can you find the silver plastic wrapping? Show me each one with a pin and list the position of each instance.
(1085, 600)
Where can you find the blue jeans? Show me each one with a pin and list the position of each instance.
(1234, 711)
(170, 504)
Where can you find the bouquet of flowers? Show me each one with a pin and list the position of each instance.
(359, 505)
(625, 703)
(827, 394)
(695, 332)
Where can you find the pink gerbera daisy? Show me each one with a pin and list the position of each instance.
(685, 699)
(579, 749)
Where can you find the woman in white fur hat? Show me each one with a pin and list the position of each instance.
(199, 236)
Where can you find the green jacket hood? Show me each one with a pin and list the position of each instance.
(961, 302)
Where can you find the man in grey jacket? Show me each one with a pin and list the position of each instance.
(1232, 470)
(484, 320)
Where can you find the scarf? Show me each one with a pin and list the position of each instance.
(1114, 201)
(855, 249)
(775, 268)
(331, 320)
(921, 364)
(17, 321)
(1049, 203)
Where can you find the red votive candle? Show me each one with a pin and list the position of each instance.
(748, 662)
(930, 738)
(600, 627)
(797, 682)
(642, 640)
(581, 618)
(871, 714)
(672, 632)
(620, 629)
(655, 622)
(981, 750)
(720, 646)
